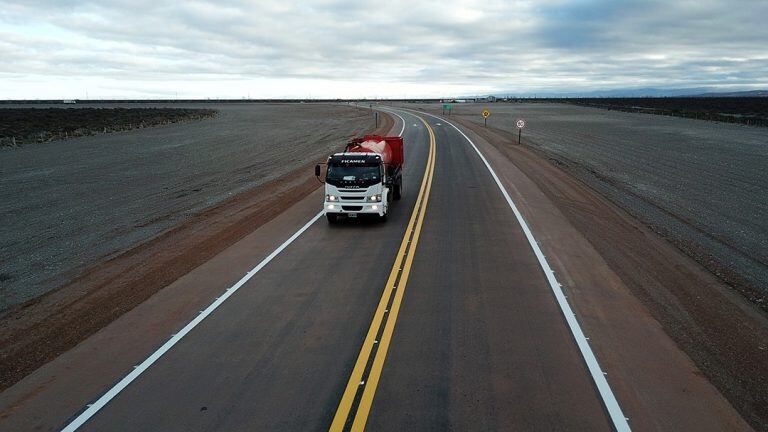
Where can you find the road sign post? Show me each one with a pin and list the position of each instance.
(447, 108)
(520, 125)
(486, 113)
(376, 118)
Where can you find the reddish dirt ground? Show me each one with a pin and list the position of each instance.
(36, 332)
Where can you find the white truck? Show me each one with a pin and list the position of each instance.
(364, 179)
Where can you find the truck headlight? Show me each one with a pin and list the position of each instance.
(375, 198)
(331, 198)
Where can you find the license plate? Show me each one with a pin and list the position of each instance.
(352, 215)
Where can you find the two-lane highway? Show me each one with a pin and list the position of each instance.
(442, 318)
(277, 354)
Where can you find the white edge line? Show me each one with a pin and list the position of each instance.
(138, 370)
(609, 400)
(402, 129)
(402, 120)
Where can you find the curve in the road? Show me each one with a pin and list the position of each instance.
(479, 321)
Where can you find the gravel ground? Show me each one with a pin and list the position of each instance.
(23, 126)
(703, 185)
(69, 204)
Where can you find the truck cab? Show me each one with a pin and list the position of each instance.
(361, 183)
(356, 183)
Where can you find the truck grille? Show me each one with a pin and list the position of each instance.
(352, 198)
(352, 208)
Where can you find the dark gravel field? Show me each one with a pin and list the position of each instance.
(703, 185)
(66, 205)
(751, 111)
(19, 126)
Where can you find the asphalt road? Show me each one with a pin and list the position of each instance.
(477, 340)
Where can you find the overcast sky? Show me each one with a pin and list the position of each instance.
(356, 48)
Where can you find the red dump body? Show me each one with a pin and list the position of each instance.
(390, 148)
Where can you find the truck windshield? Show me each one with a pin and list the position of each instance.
(353, 174)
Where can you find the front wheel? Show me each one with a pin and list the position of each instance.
(332, 217)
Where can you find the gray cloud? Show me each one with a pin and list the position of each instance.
(490, 45)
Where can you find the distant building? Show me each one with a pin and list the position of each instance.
(69, 101)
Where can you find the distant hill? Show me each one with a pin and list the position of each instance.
(639, 92)
(750, 93)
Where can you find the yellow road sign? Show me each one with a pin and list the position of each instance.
(486, 113)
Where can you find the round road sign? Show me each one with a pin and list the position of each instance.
(486, 113)
(520, 123)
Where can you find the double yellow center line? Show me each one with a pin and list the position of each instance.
(355, 404)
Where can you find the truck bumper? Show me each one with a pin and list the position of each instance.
(354, 208)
